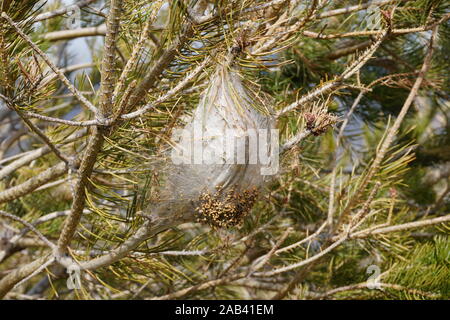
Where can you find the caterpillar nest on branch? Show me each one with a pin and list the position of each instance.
(223, 154)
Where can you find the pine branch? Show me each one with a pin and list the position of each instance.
(75, 33)
(96, 142)
(393, 130)
(137, 50)
(366, 33)
(47, 60)
(8, 282)
(350, 71)
(26, 158)
(172, 92)
(108, 70)
(304, 240)
(400, 227)
(32, 184)
(356, 8)
(43, 137)
(299, 137)
(81, 183)
(87, 123)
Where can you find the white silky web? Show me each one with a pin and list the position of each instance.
(215, 155)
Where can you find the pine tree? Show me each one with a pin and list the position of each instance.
(92, 205)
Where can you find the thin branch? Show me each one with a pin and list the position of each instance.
(23, 160)
(172, 92)
(303, 262)
(71, 68)
(61, 11)
(299, 243)
(366, 33)
(86, 123)
(29, 226)
(40, 220)
(299, 277)
(400, 227)
(202, 286)
(355, 8)
(9, 281)
(76, 33)
(261, 262)
(295, 140)
(42, 136)
(35, 272)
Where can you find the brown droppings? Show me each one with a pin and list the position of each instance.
(225, 210)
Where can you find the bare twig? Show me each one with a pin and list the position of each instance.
(76, 33)
(295, 140)
(355, 8)
(260, 262)
(303, 262)
(299, 243)
(29, 226)
(86, 123)
(400, 227)
(62, 11)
